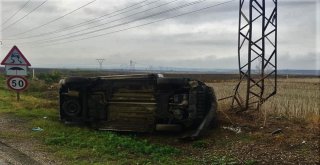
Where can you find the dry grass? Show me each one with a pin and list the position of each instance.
(296, 98)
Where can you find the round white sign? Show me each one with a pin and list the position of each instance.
(17, 83)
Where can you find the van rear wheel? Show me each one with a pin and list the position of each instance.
(71, 107)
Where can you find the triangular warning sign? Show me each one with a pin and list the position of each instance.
(15, 57)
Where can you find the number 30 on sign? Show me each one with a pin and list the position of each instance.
(17, 83)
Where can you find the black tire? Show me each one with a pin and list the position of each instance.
(71, 107)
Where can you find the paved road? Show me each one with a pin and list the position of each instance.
(9, 155)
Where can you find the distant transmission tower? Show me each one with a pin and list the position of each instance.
(257, 54)
(132, 65)
(100, 61)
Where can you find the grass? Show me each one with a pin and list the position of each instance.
(296, 98)
(80, 145)
(200, 144)
(95, 146)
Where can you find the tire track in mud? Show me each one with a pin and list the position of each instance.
(14, 156)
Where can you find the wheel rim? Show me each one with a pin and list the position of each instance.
(71, 107)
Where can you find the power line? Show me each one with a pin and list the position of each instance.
(85, 22)
(56, 19)
(117, 31)
(101, 24)
(109, 27)
(9, 18)
(24, 16)
(125, 18)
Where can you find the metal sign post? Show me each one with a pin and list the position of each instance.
(18, 96)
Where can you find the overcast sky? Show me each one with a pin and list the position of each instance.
(206, 39)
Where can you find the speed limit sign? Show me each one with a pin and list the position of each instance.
(17, 83)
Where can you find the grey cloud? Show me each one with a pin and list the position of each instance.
(302, 61)
(296, 3)
(223, 43)
(193, 38)
(296, 35)
(31, 5)
(51, 7)
(223, 40)
(95, 12)
(210, 61)
(205, 16)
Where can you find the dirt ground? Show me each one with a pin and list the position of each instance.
(244, 138)
(16, 149)
(280, 141)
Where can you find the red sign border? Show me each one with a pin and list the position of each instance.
(18, 90)
(22, 56)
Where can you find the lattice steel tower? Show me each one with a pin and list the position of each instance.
(257, 53)
(100, 61)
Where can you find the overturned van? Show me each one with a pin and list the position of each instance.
(139, 103)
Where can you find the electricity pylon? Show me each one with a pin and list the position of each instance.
(257, 54)
(100, 61)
